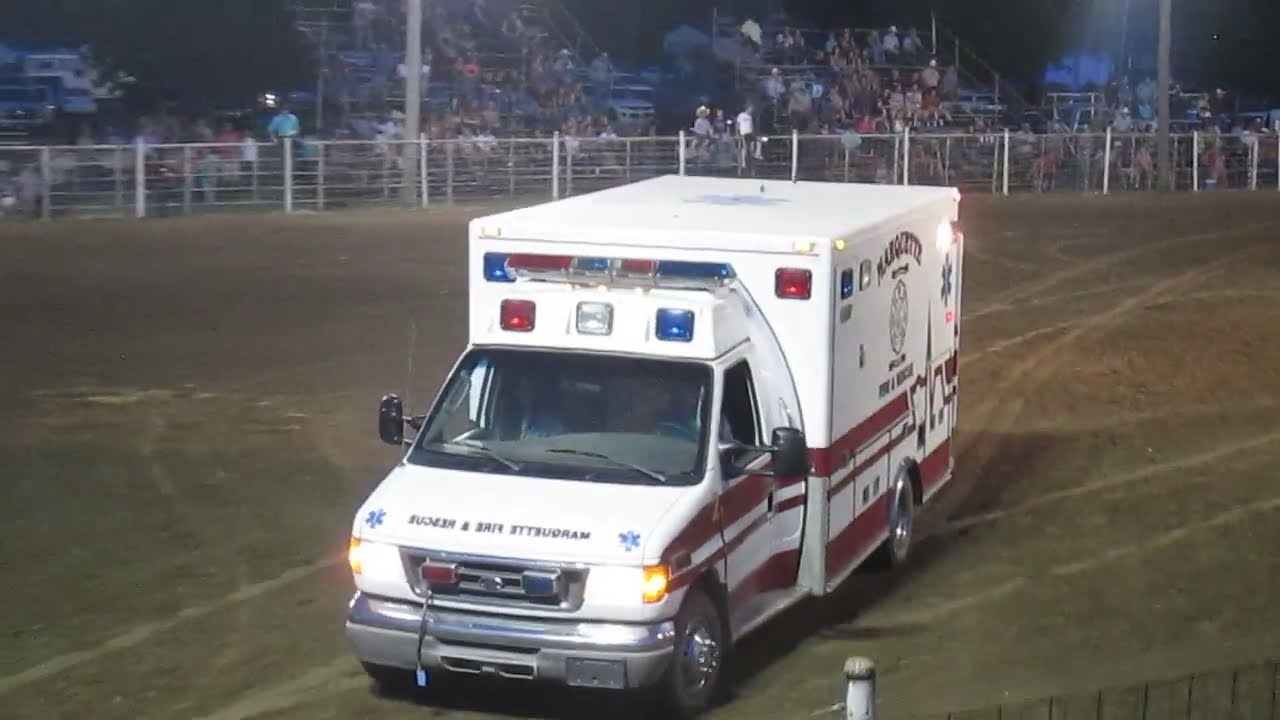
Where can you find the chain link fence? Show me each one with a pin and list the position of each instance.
(158, 180)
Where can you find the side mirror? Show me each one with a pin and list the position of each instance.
(790, 453)
(391, 420)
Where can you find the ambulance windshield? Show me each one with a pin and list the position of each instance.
(576, 416)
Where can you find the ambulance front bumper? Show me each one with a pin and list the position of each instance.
(617, 656)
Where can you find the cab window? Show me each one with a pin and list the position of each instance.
(739, 422)
(574, 416)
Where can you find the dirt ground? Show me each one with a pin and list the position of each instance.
(187, 425)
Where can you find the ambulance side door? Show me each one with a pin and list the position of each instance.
(754, 564)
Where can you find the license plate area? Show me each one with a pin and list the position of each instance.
(606, 674)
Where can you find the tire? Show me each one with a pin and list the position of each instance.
(695, 679)
(896, 549)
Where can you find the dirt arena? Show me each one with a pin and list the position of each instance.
(187, 425)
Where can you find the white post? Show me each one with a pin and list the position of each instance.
(860, 689)
(1005, 181)
(1106, 164)
(680, 153)
(897, 156)
(288, 174)
(555, 166)
(906, 155)
(140, 179)
(46, 183)
(422, 167)
(1253, 161)
(1195, 160)
(321, 146)
(795, 155)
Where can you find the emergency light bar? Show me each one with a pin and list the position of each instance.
(500, 267)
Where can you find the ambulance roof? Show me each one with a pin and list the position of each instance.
(717, 207)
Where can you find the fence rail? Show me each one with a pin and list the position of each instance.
(155, 180)
(1243, 693)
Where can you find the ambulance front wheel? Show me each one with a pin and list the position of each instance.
(902, 507)
(693, 681)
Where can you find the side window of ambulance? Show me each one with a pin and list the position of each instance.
(738, 426)
(474, 420)
(478, 393)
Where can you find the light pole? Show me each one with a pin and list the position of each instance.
(412, 99)
(1164, 79)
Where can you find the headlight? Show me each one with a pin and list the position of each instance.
(378, 561)
(627, 586)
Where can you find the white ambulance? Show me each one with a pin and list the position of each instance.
(686, 405)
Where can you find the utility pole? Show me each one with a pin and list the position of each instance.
(412, 100)
(1164, 79)
(324, 62)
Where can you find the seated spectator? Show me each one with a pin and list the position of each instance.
(799, 106)
(912, 46)
(929, 77)
(875, 52)
(892, 45)
(1123, 123)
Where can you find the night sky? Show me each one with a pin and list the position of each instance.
(234, 48)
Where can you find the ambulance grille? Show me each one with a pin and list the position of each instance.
(499, 582)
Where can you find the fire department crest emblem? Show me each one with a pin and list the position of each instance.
(898, 317)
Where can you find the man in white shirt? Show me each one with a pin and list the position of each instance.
(747, 130)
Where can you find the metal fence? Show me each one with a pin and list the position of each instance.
(1243, 693)
(156, 180)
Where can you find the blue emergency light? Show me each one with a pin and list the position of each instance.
(699, 270)
(674, 325)
(495, 268)
(593, 265)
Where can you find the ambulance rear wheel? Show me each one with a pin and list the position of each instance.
(902, 508)
(693, 681)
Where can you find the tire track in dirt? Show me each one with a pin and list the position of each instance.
(1087, 267)
(934, 612)
(1001, 410)
(139, 634)
(1049, 299)
(1153, 471)
(335, 677)
(1049, 329)
(1189, 412)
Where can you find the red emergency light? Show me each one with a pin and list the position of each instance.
(793, 283)
(638, 267)
(539, 262)
(439, 574)
(518, 315)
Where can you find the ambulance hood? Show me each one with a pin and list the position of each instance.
(509, 516)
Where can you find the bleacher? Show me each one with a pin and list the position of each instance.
(797, 57)
(514, 59)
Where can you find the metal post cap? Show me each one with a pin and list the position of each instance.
(859, 668)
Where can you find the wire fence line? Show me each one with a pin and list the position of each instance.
(1250, 692)
(158, 180)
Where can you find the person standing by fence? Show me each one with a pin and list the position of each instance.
(750, 151)
(284, 125)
